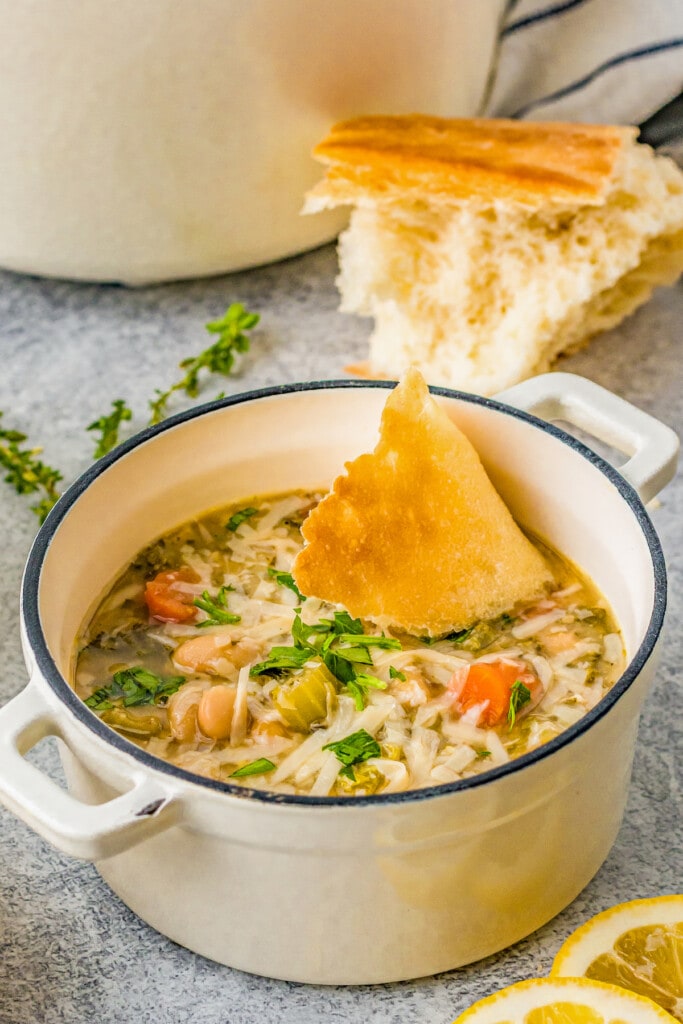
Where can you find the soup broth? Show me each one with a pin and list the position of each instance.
(205, 654)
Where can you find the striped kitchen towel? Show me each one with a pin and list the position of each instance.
(601, 61)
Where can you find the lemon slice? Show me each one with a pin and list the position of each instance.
(637, 945)
(564, 1001)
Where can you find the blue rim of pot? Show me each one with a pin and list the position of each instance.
(62, 689)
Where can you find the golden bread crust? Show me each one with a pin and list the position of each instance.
(414, 536)
(439, 159)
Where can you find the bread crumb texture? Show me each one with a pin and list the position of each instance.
(546, 235)
(414, 536)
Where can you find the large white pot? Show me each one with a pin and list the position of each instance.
(142, 140)
(341, 890)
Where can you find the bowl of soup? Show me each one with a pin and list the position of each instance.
(329, 800)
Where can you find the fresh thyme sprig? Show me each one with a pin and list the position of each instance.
(26, 472)
(220, 357)
(109, 427)
(30, 475)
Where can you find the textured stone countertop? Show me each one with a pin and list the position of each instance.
(70, 951)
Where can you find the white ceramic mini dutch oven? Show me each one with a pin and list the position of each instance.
(341, 890)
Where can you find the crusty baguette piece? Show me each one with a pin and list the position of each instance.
(414, 536)
(484, 249)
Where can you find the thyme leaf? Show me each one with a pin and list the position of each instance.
(109, 426)
(26, 473)
(219, 357)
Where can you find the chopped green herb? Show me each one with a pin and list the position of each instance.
(133, 687)
(356, 654)
(217, 358)
(353, 749)
(216, 608)
(341, 623)
(519, 696)
(239, 517)
(109, 426)
(395, 674)
(339, 643)
(258, 767)
(384, 643)
(301, 633)
(285, 579)
(459, 635)
(282, 658)
(360, 684)
(26, 473)
(481, 754)
(474, 638)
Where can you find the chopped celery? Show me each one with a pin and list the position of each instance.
(307, 699)
(134, 723)
(479, 636)
(366, 780)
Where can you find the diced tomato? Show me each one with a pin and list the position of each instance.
(166, 598)
(490, 684)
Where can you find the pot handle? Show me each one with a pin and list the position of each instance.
(90, 831)
(652, 447)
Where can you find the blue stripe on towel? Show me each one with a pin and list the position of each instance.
(548, 12)
(622, 58)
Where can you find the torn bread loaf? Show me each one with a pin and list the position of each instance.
(484, 249)
(414, 536)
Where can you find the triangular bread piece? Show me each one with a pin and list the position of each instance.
(414, 536)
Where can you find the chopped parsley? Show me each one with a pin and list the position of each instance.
(281, 658)
(133, 687)
(216, 608)
(258, 767)
(240, 517)
(354, 749)
(520, 695)
(384, 643)
(340, 644)
(285, 579)
(359, 685)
